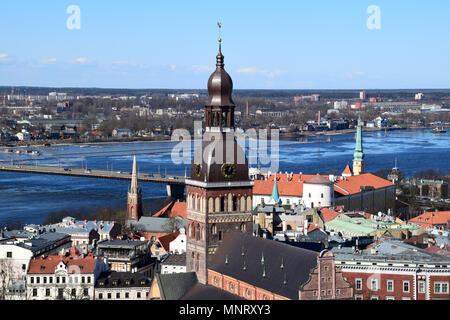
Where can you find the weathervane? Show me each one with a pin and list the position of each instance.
(219, 24)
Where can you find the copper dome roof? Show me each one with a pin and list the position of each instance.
(220, 85)
(318, 179)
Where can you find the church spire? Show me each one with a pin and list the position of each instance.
(134, 202)
(134, 178)
(275, 194)
(358, 157)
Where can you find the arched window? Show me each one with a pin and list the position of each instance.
(214, 229)
(192, 226)
(235, 203)
(249, 203)
(217, 205)
(243, 227)
(210, 205)
(242, 206)
(222, 204)
(197, 232)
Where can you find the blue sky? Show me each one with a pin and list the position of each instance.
(267, 44)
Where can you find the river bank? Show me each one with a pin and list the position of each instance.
(166, 138)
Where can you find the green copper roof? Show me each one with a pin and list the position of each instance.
(351, 227)
(275, 195)
(359, 154)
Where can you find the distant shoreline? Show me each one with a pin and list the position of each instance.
(283, 135)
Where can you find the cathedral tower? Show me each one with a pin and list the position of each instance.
(134, 202)
(219, 191)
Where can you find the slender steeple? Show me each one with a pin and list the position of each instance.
(134, 202)
(358, 156)
(134, 177)
(275, 194)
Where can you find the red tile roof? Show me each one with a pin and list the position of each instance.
(292, 185)
(167, 239)
(172, 210)
(47, 265)
(163, 210)
(178, 210)
(442, 251)
(352, 185)
(429, 219)
(328, 214)
(347, 170)
(313, 227)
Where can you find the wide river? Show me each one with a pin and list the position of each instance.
(30, 197)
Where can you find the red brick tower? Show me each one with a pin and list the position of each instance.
(219, 191)
(134, 202)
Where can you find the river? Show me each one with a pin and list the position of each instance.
(30, 197)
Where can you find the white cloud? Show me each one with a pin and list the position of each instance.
(269, 74)
(173, 67)
(47, 61)
(3, 56)
(202, 69)
(81, 60)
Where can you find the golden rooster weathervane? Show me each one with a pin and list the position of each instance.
(219, 24)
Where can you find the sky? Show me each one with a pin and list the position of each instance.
(172, 44)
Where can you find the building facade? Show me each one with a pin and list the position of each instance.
(122, 286)
(68, 277)
(393, 270)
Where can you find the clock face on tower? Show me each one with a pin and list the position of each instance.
(228, 170)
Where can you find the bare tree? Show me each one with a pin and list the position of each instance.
(7, 277)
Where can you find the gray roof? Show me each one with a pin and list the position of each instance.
(83, 226)
(136, 279)
(43, 240)
(207, 292)
(154, 224)
(284, 268)
(273, 209)
(175, 260)
(129, 244)
(173, 286)
(390, 250)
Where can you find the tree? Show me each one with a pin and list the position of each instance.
(173, 225)
(7, 277)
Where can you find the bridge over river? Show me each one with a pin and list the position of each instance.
(175, 184)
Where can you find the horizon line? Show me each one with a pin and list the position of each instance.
(205, 89)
